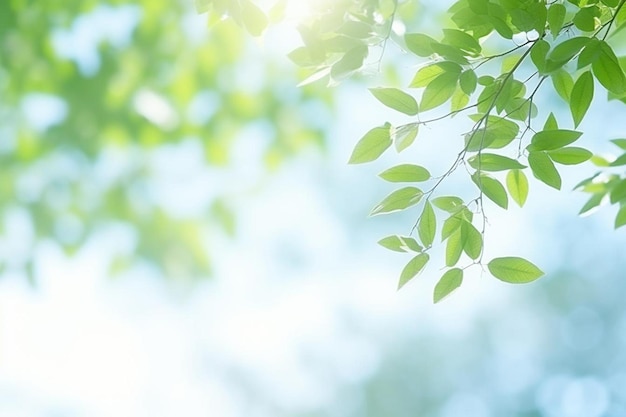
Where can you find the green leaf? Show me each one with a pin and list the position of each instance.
(427, 74)
(439, 90)
(493, 162)
(547, 140)
(459, 100)
(350, 62)
(451, 204)
(371, 146)
(404, 136)
(581, 96)
(398, 200)
(551, 123)
(618, 193)
(454, 247)
(556, 18)
(586, 19)
(621, 160)
(620, 218)
(566, 50)
(608, 70)
(450, 281)
(570, 155)
(517, 184)
(455, 221)
(472, 240)
(544, 170)
(405, 173)
(492, 189)
(413, 268)
(514, 270)
(538, 55)
(419, 44)
(400, 243)
(428, 225)
(396, 99)
(593, 202)
(462, 40)
(621, 143)
(468, 81)
(590, 53)
(563, 84)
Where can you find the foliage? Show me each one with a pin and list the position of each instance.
(491, 61)
(99, 102)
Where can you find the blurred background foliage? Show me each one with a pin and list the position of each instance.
(112, 112)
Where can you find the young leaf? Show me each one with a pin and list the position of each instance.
(563, 83)
(547, 140)
(426, 74)
(404, 136)
(493, 162)
(451, 204)
(454, 247)
(396, 99)
(514, 270)
(405, 173)
(538, 55)
(461, 40)
(517, 184)
(544, 170)
(450, 281)
(592, 203)
(566, 50)
(581, 96)
(398, 200)
(551, 123)
(371, 145)
(618, 193)
(492, 189)
(570, 155)
(439, 90)
(620, 218)
(468, 81)
(608, 70)
(413, 268)
(556, 18)
(428, 225)
(350, 62)
(472, 240)
(400, 243)
(419, 44)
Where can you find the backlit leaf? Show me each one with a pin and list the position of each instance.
(398, 200)
(396, 99)
(412, 268)
(450, 281)
(581, 96)
(371, 145)
(570, 155)
(494, 162)
(492, 189)
(405, 173)
(400, 243)
(517, 184)
(514, 270)
(428, 225)
(544, 170)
